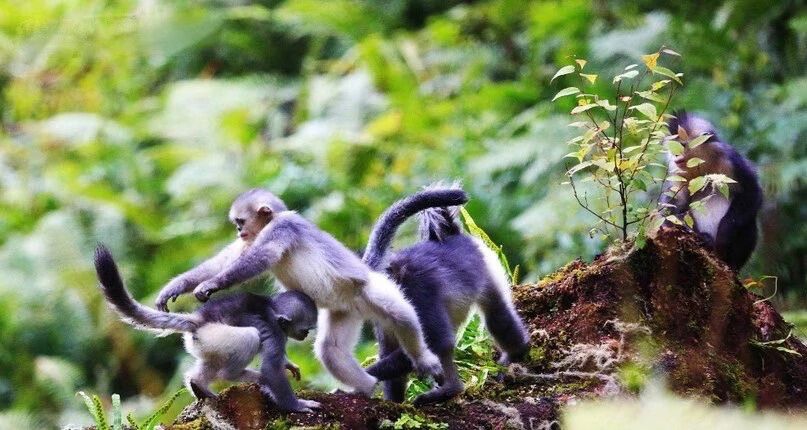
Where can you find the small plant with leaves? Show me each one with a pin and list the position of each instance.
(619, 143)
(96, 408)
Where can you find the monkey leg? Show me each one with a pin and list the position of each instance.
(451, 387)
(243, 375)
(391, 366)
(394, 382)
(386, 304)
(504, 325)
(736, 236)
(337, 336)
(198, 380)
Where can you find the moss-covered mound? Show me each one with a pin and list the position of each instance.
(669, 310)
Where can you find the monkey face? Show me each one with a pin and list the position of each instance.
(295, 328)
(248, 222)
(703, 151)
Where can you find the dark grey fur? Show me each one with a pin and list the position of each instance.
(288, 314)
(737, 234)
(443, 276)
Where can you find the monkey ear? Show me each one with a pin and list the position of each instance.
(683, 136)
(264, 210)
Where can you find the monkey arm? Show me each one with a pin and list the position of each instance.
(265, 252)
(187, 281)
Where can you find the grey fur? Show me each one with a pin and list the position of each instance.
(305, 258)
(443, 276)
(434, 197)
(225, 334)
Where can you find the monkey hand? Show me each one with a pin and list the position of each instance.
(294, 370)
(429, 365)
(308, 405)
(204, 290)
(166, 295)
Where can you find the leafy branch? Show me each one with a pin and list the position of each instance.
(620, 139)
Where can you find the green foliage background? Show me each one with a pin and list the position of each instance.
(136, 122)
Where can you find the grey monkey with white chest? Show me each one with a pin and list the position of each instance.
(304, 258)
(727, 224)
(225, 334)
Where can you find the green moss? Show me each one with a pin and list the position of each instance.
(278, 424)
(413, 421)
(537, 354)
(633, 376)
(570, 387)
(197, 424)
(739, 386)
(334, 426)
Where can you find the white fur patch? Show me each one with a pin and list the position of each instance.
(305, 269)
(494, 268)
(386, 294)
(707, 219)
(697, 126)
(224, 344)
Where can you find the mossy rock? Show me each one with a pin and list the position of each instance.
(700, 328)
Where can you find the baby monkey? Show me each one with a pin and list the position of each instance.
(728, 225)
(225, 334)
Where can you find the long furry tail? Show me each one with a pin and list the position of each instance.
(384, 230)
(437, 223)
(131, 311)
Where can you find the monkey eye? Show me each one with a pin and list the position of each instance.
(239, 221)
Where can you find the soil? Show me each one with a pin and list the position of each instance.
(669, 310)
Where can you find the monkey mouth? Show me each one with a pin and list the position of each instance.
(243, 235)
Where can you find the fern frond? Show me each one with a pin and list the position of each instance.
(151, 422)
(132, 423)
(99, 413)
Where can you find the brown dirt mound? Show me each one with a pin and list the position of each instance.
(669, 310)
(672, 309)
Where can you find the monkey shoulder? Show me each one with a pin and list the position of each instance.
(285, 226)
(347, 264)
